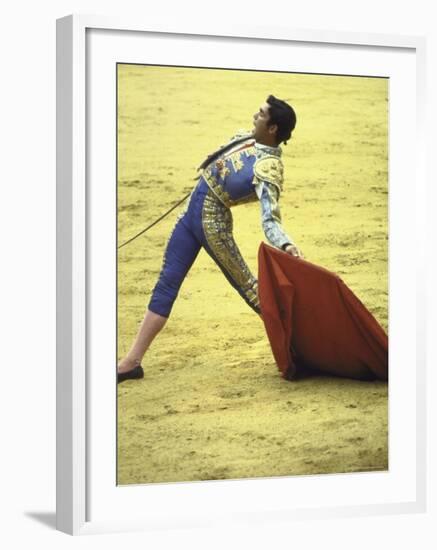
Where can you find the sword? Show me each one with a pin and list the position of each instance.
(204, 164)
(155, 222)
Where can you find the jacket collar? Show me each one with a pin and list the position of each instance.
(276, 151)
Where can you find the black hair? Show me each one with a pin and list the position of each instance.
(282, 114)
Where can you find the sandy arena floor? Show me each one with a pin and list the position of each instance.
(212, 404)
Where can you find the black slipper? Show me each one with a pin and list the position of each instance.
(133, 374)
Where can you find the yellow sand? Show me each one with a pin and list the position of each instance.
(212, 404)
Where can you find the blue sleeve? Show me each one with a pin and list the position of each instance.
(271, 216)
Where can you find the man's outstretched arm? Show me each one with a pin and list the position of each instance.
(268, 194)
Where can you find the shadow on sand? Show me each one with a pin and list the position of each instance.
(46, 518)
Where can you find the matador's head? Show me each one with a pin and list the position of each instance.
(274, 122)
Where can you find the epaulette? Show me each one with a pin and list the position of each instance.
(270, 168)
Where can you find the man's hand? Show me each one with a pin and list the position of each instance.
(293, 250)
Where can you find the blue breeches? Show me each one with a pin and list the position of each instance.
(206, 223)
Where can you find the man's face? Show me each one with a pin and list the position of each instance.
(262, 131)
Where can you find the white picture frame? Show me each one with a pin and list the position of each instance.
(74, 460)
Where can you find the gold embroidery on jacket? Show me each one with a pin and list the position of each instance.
(237, 163)
(223, 170)
(223, 195)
